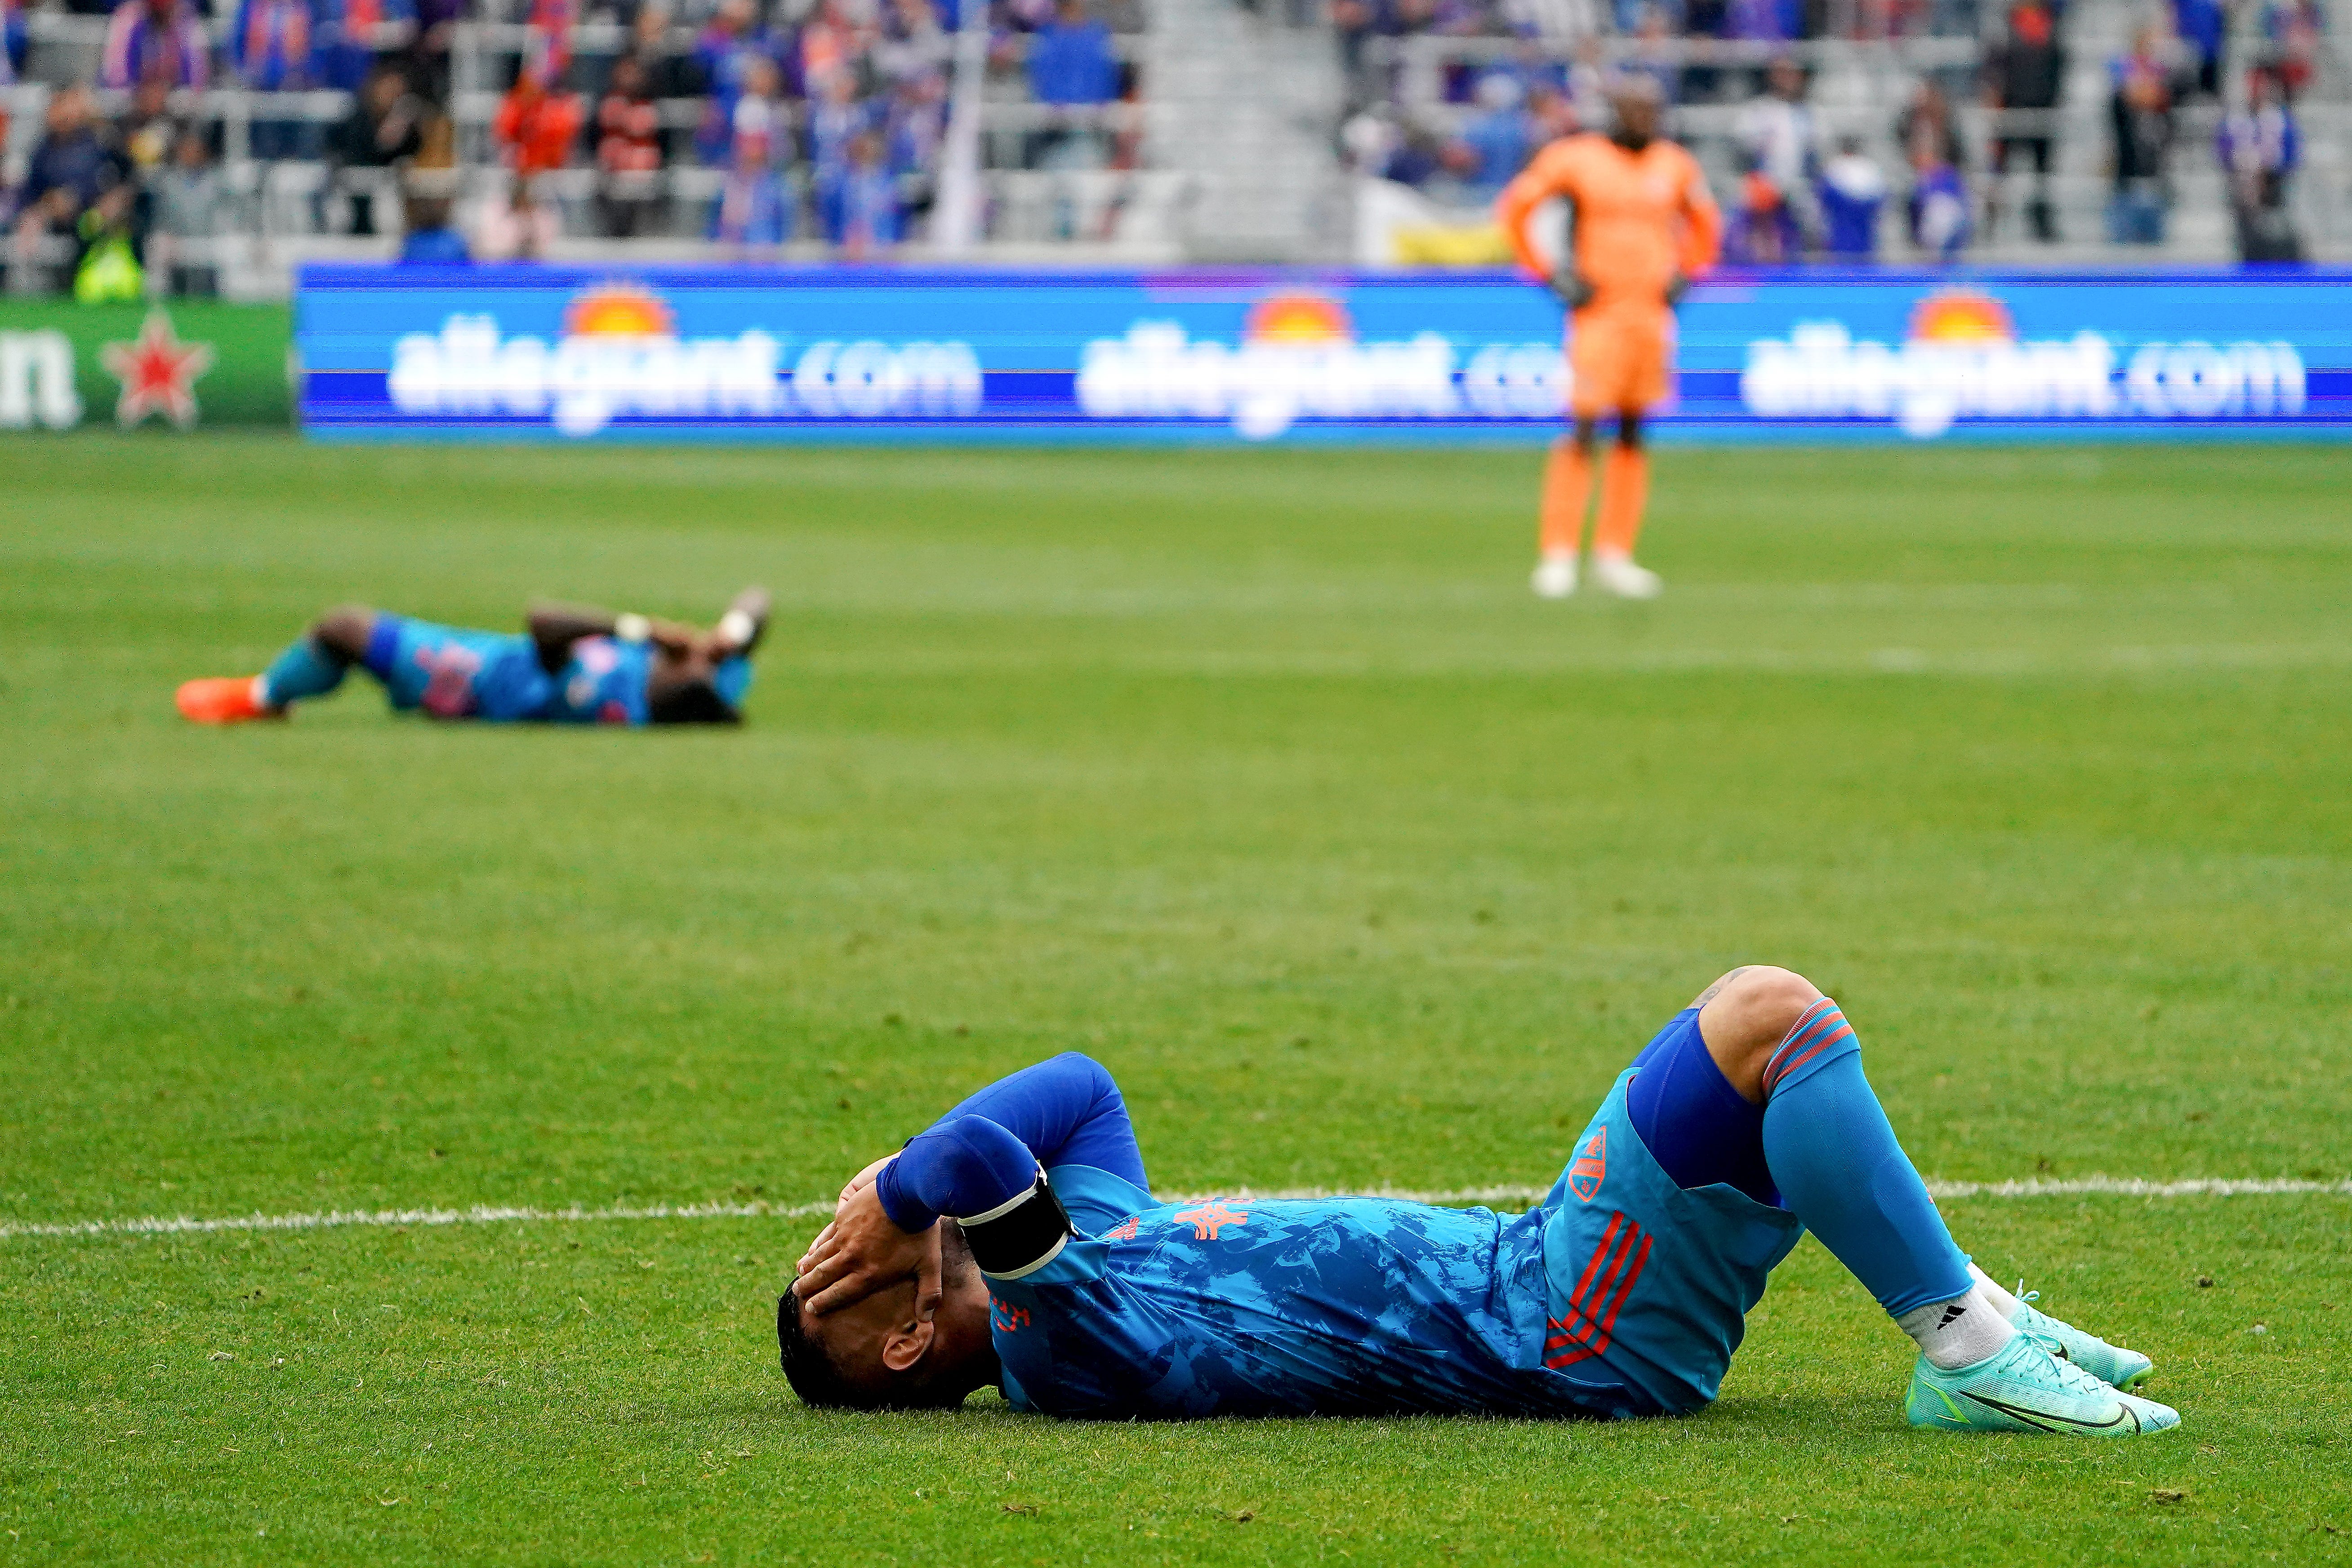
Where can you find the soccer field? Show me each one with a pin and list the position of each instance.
(1259, 776)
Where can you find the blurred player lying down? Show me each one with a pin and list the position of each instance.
(570, 667)
(1017, 1242)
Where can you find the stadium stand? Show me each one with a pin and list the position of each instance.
(161, 148)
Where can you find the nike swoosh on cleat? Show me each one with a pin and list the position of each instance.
(2043, 1419)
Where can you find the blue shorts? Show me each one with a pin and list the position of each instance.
(451, 672)
(1649, 1284)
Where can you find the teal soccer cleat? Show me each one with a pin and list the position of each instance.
(2026, 1389)
(2111, 1364)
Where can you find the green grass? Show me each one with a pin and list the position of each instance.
(1259, 776)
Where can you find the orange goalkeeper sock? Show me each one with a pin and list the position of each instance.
(1567, 480)
(1624, 495)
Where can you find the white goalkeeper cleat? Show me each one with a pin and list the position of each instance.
(1555, 577)
(1619, 575)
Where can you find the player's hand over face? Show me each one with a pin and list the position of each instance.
(850, 1189)
(861, 1252)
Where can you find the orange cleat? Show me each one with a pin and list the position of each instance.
(223, 699)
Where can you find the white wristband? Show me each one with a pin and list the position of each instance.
(632, 627)
(736, 626)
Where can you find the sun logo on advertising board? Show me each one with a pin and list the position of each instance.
(1961, 316)
(619, 311)
(1300, 319)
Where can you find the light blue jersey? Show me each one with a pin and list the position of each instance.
(1237, 1306)
(453, 672)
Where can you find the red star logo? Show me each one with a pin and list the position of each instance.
(1208, 1219)
(158, 374)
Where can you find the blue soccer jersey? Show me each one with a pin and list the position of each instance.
(1240, 1307)
(604, 682)
(451, 672)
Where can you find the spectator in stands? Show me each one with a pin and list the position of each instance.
(2260, 147)
(1853, 189)
(918, 126)
(2024, 72)
(2141, 110)
(15, 37)
(270, 46)
(428, 58)
(1930, 109)
(1939, 208)
(628, 151)
(835, 120)
(2202, 25)
(147, 132)
(429, 238)
(861, 215)
(194, 207)
(537, 129)
(2290, 30)
(728, 50)
(913, 45)
(547, 39)
(1762, 231)
(108, 269)
(668, 74)
(1776, 131)
(753, 209)
(838, 36)
(1653, 55)
(384, 131)
(354, 33)
(1073, 71)
(1498, 139)
(163, 38)
(1071, 63)
(1550, 116)
(75, 163)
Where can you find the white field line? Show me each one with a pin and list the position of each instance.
(482, 1214)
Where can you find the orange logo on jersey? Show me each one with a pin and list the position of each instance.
(1123, 1232)
(1208, 1218)
(1006, 1317)
(1590, 1166)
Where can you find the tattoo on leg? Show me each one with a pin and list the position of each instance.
(1708, 995)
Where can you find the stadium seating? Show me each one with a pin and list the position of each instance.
(1228, 137)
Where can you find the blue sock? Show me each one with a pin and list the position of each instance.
(1840, 1170)
(305, 669)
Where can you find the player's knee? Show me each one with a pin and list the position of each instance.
(1757, 1008)
(344, 630)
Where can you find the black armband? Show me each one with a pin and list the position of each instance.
(1020, 1237)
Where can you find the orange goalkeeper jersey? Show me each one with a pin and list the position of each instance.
(1641, 216)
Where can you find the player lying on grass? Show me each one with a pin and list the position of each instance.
(572, 667)
(1747, 1120)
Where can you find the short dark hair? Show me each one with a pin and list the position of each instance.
(816, 1377)
(695, 702)
(809, 1366)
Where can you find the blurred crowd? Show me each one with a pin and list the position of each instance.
(816, 120)
(1796, 191)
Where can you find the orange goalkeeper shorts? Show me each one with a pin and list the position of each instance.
(1617, 362)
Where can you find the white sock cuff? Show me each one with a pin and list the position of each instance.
(2003, 1301)
(1959, 1332)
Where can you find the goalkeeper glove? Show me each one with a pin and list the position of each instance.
(1676, 287)
(1574, 290)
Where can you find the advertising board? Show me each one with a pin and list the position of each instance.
(1240, 356)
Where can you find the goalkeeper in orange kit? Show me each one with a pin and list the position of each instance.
(1642, 226)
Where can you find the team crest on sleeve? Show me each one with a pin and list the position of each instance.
(1590, 1166)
